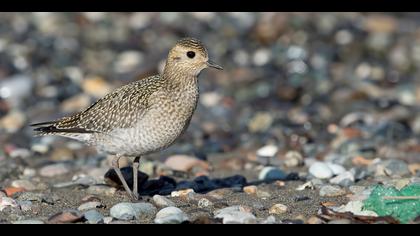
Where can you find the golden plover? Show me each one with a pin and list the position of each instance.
(144, 116)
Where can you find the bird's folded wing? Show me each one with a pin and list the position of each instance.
(119, 109)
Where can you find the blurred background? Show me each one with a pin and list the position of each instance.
(332, 86)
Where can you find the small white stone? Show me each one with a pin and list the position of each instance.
(261, 57)
(320, 170)
(307, 185)
(336, 169)
(293, 159)
(211, 99)
(267, 151)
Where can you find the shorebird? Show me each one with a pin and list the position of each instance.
(144, 116)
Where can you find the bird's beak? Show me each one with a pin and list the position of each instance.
(214, 65)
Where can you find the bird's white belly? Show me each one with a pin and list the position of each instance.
(155, 131)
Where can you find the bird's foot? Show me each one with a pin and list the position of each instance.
(134, 196)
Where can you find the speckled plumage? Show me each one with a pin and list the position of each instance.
(144, 116)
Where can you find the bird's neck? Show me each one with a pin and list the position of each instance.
(177, 79)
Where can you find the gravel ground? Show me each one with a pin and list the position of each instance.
(312, 111)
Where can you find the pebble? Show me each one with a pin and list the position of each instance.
(182, 193)
(75, 103)
(235, 215)
(15, 88)
(293, 159)
(96, 86)
(162, 201)
(395, 168)
(307, 185)
(40, 148)
(252, 189)
(29, 172)
(20, 152)
(260, 122)
(67, 216)
(130, 211)
(271, 173)
(23, 183)
(29, 222)
(127, 61)
(331, 191)
(93, 217)
(204, 203)
(10, 191)
(108, 219)
(101, 190)
(278, 209)
(268, 151)
(90, 205)
(185, 163)
(13, 121)
(62, 154)
(313, 220)
(335, 168)
(344, 179)
(320, 170)
(7, 202)
(263, 194)
(170, 215)
(55, 170)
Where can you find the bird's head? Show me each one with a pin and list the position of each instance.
(189, 56)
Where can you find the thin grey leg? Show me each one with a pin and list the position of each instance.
(136, 164)
(117, 170)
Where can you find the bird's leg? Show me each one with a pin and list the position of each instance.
(136, 164)
(117, 170)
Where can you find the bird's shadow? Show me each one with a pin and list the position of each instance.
(164, 185)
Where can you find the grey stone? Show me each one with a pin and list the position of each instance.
(93, 217)
(162, 201)
(344, 179)
(130, 211)
(235, 215)
(331, 191)
(170, 215)
(271, 173)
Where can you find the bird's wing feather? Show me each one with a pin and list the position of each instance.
(119, 109)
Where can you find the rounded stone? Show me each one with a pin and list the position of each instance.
(170, 215)
(130, 211)
(278, 209)
(320, 170)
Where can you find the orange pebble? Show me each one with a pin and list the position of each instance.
(361, 161)
(12, 190)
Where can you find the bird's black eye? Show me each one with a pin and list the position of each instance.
(191, 54)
